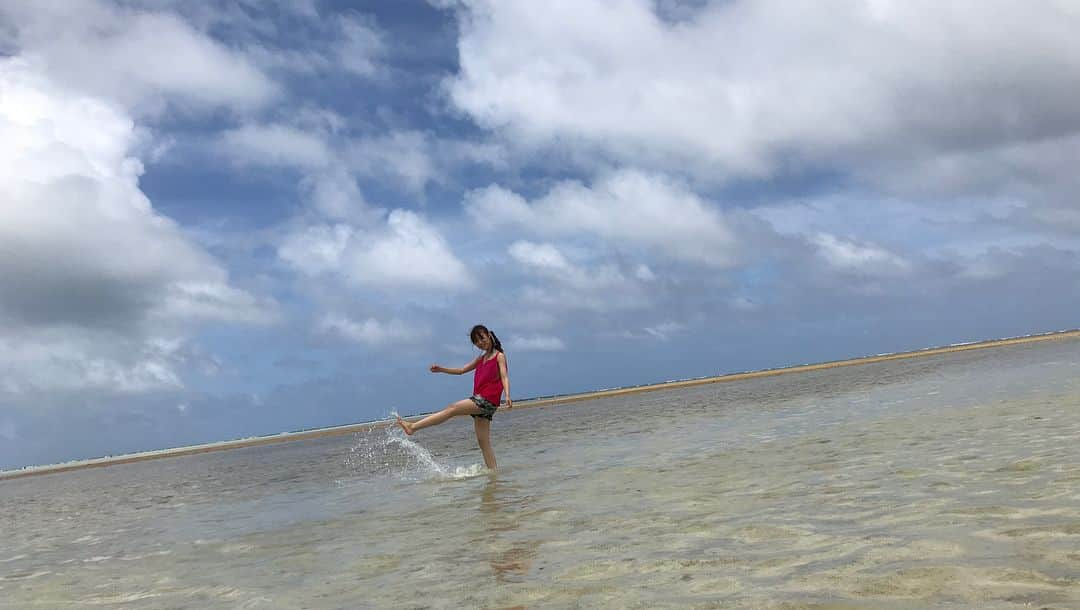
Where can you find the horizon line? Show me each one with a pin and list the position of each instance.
(541, 401)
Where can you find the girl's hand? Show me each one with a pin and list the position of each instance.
(509, 403)
(436, 368)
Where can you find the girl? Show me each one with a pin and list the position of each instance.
(489, 382)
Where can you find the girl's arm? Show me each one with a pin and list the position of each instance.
(505, 379)
(465, 369)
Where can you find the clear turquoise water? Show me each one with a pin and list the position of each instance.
(949, 481)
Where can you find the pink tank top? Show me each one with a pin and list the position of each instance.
(487, 382)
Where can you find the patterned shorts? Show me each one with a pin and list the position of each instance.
(486, 407)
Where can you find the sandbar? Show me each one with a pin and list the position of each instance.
(520, 404)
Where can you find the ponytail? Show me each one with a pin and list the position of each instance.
(474, 334)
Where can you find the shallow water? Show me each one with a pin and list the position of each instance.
(948, 481)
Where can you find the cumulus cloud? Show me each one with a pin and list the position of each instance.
(316, 249)
(372, 331)
(405, 251)
(750, 88)
(403, 156)
(214, 301)
(410, 160)
(1036, 179)
(848, 255)
(544, 257)
(360, 47)
(69, 359)
(333, 194)
(275, 145)
(625, 208)
(411, 251)
(535, 343)
(86, 251)
(566, 286)
(138, 58)
(662, 331)
(340, 45)
(340, 233)
(644, 273)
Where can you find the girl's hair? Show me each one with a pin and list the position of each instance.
(474, 335)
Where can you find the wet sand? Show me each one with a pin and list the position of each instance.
(519, 404)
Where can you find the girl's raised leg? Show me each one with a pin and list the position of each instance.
(461, 407)
(483, 437)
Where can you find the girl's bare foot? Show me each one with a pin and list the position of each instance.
(404, 425)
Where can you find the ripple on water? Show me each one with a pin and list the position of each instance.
(1059, 530)
(955, 501)
(751, 534)
(26, 575)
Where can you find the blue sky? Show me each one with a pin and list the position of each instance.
(237, 218)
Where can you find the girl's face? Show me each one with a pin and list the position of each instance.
(483, 341)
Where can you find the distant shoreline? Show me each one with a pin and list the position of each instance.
(537, 402)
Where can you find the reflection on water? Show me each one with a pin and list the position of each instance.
(501, 507)
(950, 481)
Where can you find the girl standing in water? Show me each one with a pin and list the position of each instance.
(489, 382)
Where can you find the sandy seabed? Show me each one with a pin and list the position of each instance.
(951, 481)
(542, 402)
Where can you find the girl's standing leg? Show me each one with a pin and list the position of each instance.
(483, 436)
(461, 407)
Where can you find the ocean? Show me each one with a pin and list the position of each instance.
(946, 481)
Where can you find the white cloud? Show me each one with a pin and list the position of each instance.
(664, 330)
(535, 343)
(494, 207)
(409, 160)
(404, 252)
(372, 331)
(333, 194)
(275, 145)
(403, 157)
(545, 257)
(603, 287)
(644, 273)
(215, 301)
(76, 360)
(73, 214)
(752, 87)
(870, 259)
(334, 45)
(92, 273)
(140, 59)
(410, 251)
(316, 249)
(1036, 180)
(623, 208)
(929, 230)
(361, 46)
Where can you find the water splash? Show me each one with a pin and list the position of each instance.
(467, 472)
(388, 451)
(416, 457)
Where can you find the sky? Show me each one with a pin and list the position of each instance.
(227, 219)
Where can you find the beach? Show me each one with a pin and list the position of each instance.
(950, 480)
(365, 427)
